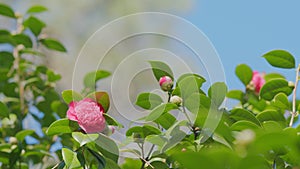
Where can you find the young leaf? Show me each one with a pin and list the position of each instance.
(4, 112)
(235, 94)
(35, 25)
(217, 92)
(70, 158)
(22, 134)
(188, 84)
(243, 124)
(144, 131)
(62, 126)
(159, 110)
(271, 76)
(111, 121)
(244, 73)
(83, 139)
(166, 120)
(273, 87)
(53, 45)
(70, 95)
(281, 101)
(22, 39)
(243, 114)
(161, 69)
(280, 59)
(52, 77)
(91, 78)
(5, 10)
(148, 100)
(271, 115)
(37, 9)
(102, 98)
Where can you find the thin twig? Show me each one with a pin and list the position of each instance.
(294, 97)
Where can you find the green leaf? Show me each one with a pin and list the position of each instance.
(4, 112)
(6, 60)
(187, 84)
(83, 139)
(166, 120)
(70, 95)
(217, 92)
(111, 121)
(273, 87)
(53, 44)
(32, 52)
(144, 131)
(107, 144)
(91, 78)
(270, 115)
(62, 126)
(102, 98)
(243, 124)
(110, 164)
(271, 76)
(161, 69)
(35, 25)
(70, 158)
(131, 163)
(52, 77)
(22, 134)
(101, 160)
(280, 58)
(5, 10)
(196, 101)
(148, 100)
(22, 39)
(236, 94)
(37, 9)
(281, 101)
(244, 73)
(243, 114)
(159, 110)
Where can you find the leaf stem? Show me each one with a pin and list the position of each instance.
(294, 97)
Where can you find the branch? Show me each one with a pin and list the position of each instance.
(294, 113)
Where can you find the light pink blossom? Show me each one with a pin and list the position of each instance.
(89, 115)
(258, 81)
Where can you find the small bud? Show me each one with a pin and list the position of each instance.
(183, 150)
(13, 140)
(166, 83)
(291, 84)
(176, 100)
(112, 129)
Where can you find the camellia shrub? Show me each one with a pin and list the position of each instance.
(260, 132)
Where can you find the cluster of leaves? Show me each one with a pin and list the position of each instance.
(27, 90)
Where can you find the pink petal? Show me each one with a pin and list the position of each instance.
(71, 114)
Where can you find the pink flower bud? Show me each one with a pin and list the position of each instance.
(89, 115)
(257, 80)
(176, 100)
(166, 83)
(112, 129)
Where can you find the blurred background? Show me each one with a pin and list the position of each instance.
(241, 32)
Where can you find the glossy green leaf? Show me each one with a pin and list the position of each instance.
(159, 110)
(217, 92)
(280, 59)
(22, 39)
(111, 121)
(144, 131)
(4, 112)
(161, 69)
(53, 77)
(273, 87)
(6, 60)
(37, 9)
(107, 144)
(102, 98)
(53, 45)
(272, 126)
(166, 120)
(281, 101)
(101, 160)
(148, 100)
(243, 114)
(131, 163)
(244, 73)
(189, 84)
(70, 158)
(35, 25)
(5, 10)
(243, 124)
(196, 101)
(62, 126)
(91, 78)
(83, 139)
(235, 94)
(110, 164)
(70, 95)
(22, 134)
(271, 76)
(270, 115)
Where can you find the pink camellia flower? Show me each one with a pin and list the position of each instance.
(166, 83)
(257, 81)
(89, 115)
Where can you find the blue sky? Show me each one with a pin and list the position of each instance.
(242, 31)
